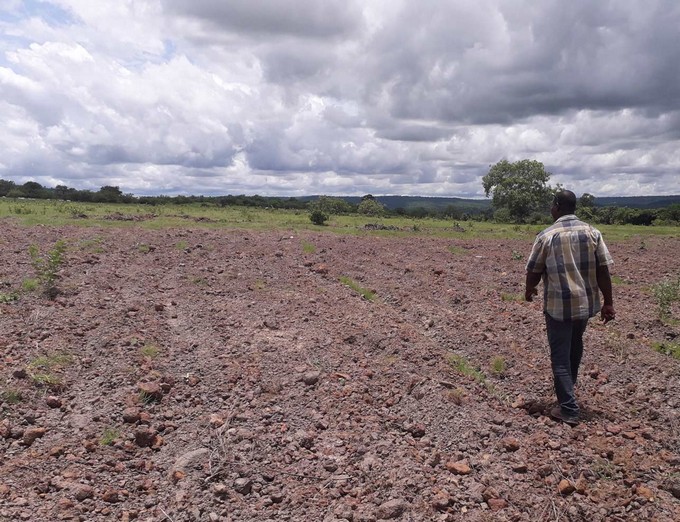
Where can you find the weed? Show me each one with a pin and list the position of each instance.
(143, 248)
(8, 298)
(308, 248)
(666, 293)
(369, 295)
(511, 297)
(670, 348)
(11, 396)
(46, 379)
(260, 284)
(517, 256)
(108, 437)
(47, 266)
(45, 366)
(604, 469)
(456, 250)
(182, 245)
(456, 396)
(618, 280)
(498, 365)
(318, 217)
(48, 362)
(29, 285)
(463, 366)
(146, 398)
(150, 350)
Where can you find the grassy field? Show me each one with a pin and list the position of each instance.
(56, 213)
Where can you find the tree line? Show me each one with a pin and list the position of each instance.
(519, 193)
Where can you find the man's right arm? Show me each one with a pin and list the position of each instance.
(604, 283)
(532, 281)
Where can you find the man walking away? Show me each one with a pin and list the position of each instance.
(572, 260)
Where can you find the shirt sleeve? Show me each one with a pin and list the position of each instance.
(602, 253)
(536, 262)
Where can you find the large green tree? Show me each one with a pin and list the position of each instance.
(518, 189)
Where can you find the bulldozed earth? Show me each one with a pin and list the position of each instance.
(235, 375)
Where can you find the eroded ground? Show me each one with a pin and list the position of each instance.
(229, 375)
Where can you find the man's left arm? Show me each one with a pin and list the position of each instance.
(533, 278)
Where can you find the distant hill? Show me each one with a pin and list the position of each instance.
(479, 205)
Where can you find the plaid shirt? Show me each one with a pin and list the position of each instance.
(568, 254)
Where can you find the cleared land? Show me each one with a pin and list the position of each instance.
(209, 371)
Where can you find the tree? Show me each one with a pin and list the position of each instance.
(586, 200)
(520, 187)
(371, 207)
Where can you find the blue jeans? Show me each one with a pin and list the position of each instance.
(566, 349)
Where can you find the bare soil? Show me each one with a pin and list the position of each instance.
(225, 375)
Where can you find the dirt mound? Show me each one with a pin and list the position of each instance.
(235, 380)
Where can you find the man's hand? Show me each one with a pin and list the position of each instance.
(607, 313)
(529, 293)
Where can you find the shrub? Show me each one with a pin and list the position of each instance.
(666, 293)
(318, 217)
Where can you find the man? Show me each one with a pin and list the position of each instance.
(573, 261)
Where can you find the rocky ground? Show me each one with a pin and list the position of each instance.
(225, 375)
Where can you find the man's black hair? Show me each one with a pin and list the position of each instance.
(566, 200)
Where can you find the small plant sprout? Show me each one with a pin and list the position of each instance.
(29, 285)
(498, 365)
(308, 248)
(666, 293)
(369, 295)
(463, 366)
(150, 350)
(47, 266)
(109, 436)
(11, 396)
(517, 256)
(505, 296)
(670, 348)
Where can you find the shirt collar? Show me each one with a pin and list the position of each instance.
(567, 217)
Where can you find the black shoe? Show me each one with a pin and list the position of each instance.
(557, 414)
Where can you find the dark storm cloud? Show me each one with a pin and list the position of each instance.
(301, 18)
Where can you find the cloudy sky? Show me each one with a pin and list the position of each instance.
(344, 97)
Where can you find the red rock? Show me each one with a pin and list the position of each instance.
(497, 504)
(82, 492)
(565, 487)
(510, 444)
(131, 415)
(150, 391)
(645, 492)
(53, 402)
(32, 434)
(459, 468)
(145, 438)
(111, 496)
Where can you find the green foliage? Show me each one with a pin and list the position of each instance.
(498, 365)
(150, 350)
(29, 285)
(369, 295)
(308, 248)
(521, 188)
(8, 298)
(666, 293)
(318, 217)
(511, 297)
(517, 256)
(463, 366)
(11, 396)
(47, 266)
(670, 348)
(109, 435)
(586, 201)
(371, 207)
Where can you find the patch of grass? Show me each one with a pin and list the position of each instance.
(463, 366)
(143, 248)
(46, 379)
(604, 469)
(308, 248)
(498, 365)
(146, 398)
(150, 350)
(92, 245)
(182, 245)
(367, 294)
(505, 296)
(48, 362)
(618, 280)
(109, 435)
(30, 285)
(666, 293)
(456, 250)
(517, 256)
(670, 348)
(11, 396)
(8, 298)
(46, 266)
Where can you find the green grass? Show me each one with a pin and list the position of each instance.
(11, 396)
(670, 348)
(498, 365)
(464, 367)
(308, 248)
(8, 298)
(49, 362)
(505, 296)
(367, 294)
(30, 285)
(150, 350)
(456, 250)
(109, 435)
(618, 280)
(194, 215)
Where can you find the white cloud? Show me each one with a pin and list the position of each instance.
(306, 96)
